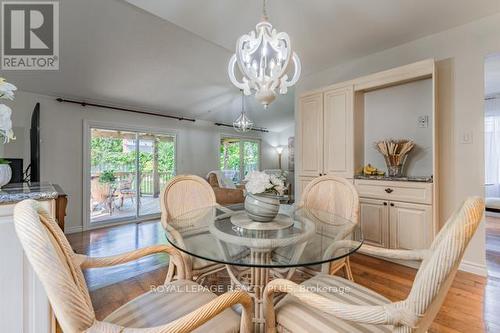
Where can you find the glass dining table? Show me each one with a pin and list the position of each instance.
(256, 252)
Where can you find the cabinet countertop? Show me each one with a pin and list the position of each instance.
(13, 193)
(396, 179)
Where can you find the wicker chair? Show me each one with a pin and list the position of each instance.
(338, 196)
(180, 307)
(359, 309)
(181, 195)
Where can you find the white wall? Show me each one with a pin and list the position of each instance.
(460, 53)
(62, 143)
(279, 139)
(392, 113)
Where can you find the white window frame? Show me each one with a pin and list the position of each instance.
(242, 158)
(87, 127)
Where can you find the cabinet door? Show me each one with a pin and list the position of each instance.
(303, 181)
(374, 219)
(310, 135)
(411, 225)
(338, 132)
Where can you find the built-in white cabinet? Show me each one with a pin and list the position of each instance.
(325, 134)
(410, 225)
(311, 135)
(374, 216)
(390, 222)
(23, 304)
(334, 136)
(338, 132)
(302, 183)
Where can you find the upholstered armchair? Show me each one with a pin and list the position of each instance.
(226, 196)
(180, 306)
(328, 303)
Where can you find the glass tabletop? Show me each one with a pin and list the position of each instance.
(297, 237)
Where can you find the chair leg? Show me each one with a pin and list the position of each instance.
(336, 266)
(170, 273)
(347, 269)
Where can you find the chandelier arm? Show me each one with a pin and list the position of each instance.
(285, 83)
(264, 10)
(241, 85)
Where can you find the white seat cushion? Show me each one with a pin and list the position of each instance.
(294, 316)
(173, 301)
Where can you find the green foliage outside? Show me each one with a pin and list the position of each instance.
(109, 152)
(107, 177)
(230, 155)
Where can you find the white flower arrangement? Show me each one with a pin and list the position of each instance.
(6, 92)
(260, 182)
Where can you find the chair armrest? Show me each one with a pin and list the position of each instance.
(394, 254)
(389, 314)
(224, 209)
(208, 311)
(192, 320)
(94, 262)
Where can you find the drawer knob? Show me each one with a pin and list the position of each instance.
(389, 190)
(385, 203)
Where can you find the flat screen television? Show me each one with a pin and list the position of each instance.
(34, 168)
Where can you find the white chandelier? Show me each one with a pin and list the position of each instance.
(243, 123)
(264, 57)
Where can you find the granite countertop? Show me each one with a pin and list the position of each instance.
(398, 179)
(13, 193)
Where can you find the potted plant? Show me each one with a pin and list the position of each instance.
(5, 172)
(261, 201)
(107, 177)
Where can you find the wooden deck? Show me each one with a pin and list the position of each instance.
(149, 205)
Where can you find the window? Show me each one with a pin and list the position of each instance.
(128, 169)
(239, 156)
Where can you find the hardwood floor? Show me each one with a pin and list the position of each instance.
(472, 304)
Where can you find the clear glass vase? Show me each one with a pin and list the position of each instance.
(394, 169)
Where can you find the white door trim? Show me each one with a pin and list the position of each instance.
(87, 125)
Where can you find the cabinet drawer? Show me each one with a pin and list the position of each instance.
(395, 191)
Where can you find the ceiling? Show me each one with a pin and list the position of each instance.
(170, 56)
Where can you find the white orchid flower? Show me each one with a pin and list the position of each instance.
(6, 123)
(7, 89)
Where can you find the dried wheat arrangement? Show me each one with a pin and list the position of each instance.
(395, 151)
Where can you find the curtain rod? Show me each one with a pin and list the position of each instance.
(62, 100)
(257, 129)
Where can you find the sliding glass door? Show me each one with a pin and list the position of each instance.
(128, 170)
(238, 156)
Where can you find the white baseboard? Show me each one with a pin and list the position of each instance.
(73, 229)
(465, 265)
(472, 267)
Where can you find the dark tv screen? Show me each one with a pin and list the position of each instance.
(35, 145)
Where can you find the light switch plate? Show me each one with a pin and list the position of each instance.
(466, 137)
(423, 121)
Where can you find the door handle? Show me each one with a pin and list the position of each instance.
(389, 190)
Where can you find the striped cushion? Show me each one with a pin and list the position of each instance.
(174, 301)
(294, 316)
